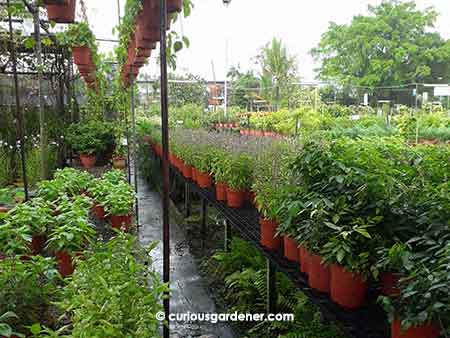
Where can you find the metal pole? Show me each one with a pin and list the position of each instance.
(187, 199)
(165, 161)
(226, 80)
(133, 145)
(41, 111)
(18, 116)
(271, 287)
(227, 235)
(204, 217)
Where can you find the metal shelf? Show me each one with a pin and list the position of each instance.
(369, 321)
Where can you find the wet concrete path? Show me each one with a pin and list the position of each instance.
(189, 290)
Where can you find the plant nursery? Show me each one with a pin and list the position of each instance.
(147, 191)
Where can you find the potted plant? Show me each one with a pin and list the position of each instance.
(219, 168)
(84, 139)
(80, 37)
(348, 250)
(71, 234)
(393, 261)
(238, 175)
(98, 191)
(119, 161)
(36, 215)
(119, 205)
(203, 160)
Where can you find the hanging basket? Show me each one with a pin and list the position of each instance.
(82, 55)
(64, 13)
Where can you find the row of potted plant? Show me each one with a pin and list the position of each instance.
(342, 208)
(58, 219)
(139, 32)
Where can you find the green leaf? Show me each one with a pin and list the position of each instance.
(178, 46)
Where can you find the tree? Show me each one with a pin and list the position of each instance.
(187, 89)
(278, 72)
(393, 45)
(241, 85)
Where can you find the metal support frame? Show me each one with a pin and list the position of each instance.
(134, 147)
(271, 287)
(19, 116)
(204, 221)
(227, 235)
(165, 160)
(187, 200)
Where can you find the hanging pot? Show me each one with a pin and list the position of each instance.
(290, 249)
(61, 13)
(221, 192)
(121, 221)
(428, 330)
(235, 199)
(81, 55)
(348, 289)
(319, 274)
(194, 174)
(65, 263)
(268, 234)
(88, 161)
(204, 180)
(304, 257)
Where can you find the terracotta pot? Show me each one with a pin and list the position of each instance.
(119, 163)
(204, 180)
(235, 199)
(348, 289)
(389, 284)
(81, 55)
(187, 171)
(119, 221)
(304, 257)
(194, 174)
(99, 211)
(38, 243)
(88, 161)
(319, 274)
(65, 264)
(268, 230)
(221, 192)
(423, 331)
(290, 249)
(64, 13)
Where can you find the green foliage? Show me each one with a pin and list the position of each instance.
(109, 296)
(120, 199)
(351, 54)
(78, 35)
(26, 288)
(91, 137)
(243, 271)
(238, 172)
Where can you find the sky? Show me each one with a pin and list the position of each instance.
(247, 25)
